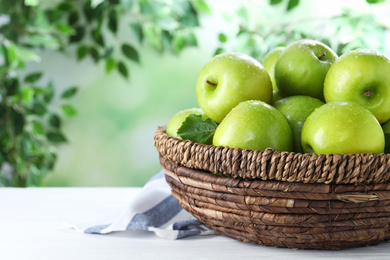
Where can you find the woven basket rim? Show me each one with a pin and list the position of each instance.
(365, 168)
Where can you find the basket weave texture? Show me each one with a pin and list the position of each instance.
(281, 199)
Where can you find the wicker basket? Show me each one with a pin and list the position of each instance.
(281, 199)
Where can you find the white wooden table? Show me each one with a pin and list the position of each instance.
(32, 227)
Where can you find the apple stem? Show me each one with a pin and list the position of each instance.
(211, 83)
(322, 55)
(367, 93)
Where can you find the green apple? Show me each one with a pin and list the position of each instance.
(361, 76)
(342, 127)
(177, 120)
(228, 79)
(254, 125)
(301, 68)
(269, 63)
(296, 109)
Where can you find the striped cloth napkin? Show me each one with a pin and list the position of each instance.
(153, 209)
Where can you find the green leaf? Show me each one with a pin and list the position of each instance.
(94, 54)
(55, 121)
(97, 36)
(222, 37)
(33, 77)
(65, 6)
(197, 129)
(123, 69)
(82, 52)
(152, 34)
(375, 1)
(38, 127)
(49, 92)
(78, 34)
(292, 4)
(65, 29)
(56, 137)
(27, 95)
(191, 39)
(201, 7)
(179, 42)
(110, 64)
(73, 18)
(88, 11)
(38, 108)
(219, 51)
(113, 21)
(4, 51)
(151, 7)
(11, 85)
(18, 121)
(70, 92)
(387, 142)
(275, 2)
(189, 20)
(130, 52)
(136, 28)
(68, 110)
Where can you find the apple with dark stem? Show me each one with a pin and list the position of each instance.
(301, 68)
(361, 76)
(228, 79)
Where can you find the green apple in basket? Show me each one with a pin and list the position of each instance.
(301, 68)
(269, 62)
(296, 109)
(228, 79)
(177, 120)
(361, 76)
(254, 125)
(342, 127)
(191, 124)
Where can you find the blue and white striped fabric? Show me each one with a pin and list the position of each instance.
(154, 209)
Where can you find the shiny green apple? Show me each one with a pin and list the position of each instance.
(342, 127)
(301, 68)
(254, 125)
(361, 76)
(177, 120)
(269, 61)
(296, 109)
(228, 79)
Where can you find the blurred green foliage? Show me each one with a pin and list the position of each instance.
(30, 127)
(345, 31)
